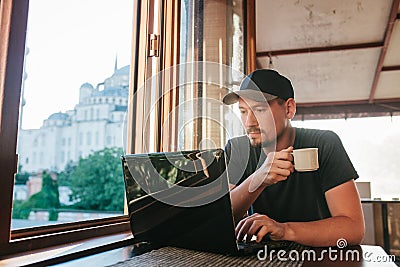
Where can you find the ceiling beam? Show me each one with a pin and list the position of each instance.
(348, 102)
(351, 109)
(390, 68)
(342, 115)
(388, 35)
(319, 49)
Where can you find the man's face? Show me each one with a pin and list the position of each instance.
(264, 121)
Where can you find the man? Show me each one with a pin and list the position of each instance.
(315, 208)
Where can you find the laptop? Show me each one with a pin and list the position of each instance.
(182, 199)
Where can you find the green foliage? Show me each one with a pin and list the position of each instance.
(21, 209)
(64, 178)
(21, 177)
(47, 198)
(97, 182)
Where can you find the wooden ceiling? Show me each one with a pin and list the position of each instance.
(342, 56)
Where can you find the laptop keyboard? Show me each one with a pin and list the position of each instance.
(271, 244)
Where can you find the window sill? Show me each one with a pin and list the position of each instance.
(36, 238)
(67, 252)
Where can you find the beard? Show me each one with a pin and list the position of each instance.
(262, 140)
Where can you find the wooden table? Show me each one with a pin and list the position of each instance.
(369, 256)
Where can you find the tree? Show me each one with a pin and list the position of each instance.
(21, 177)
(21, 209)
(64, 178)
(97, 182)
(46, 198)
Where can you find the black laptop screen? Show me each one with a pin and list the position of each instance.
(147, 174)
(180, 199)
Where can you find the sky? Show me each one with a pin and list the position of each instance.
(71, 43)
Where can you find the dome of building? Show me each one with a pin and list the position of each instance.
(87, 85)
(117, 85)
(122, 71)
(58, 116)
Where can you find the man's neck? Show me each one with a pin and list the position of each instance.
(286, 138)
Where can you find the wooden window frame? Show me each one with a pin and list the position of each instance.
(13, 25)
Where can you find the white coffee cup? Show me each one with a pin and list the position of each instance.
(306, 159)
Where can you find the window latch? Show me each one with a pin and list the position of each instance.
(154, 41)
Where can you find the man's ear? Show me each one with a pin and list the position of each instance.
(290, 108)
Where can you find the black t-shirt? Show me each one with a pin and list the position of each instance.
(301, 197)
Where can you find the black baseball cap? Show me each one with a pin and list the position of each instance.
(262, 85)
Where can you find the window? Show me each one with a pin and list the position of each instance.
(43, 128)
(209, 61)
(88, 138)
(97, 138)
(225, 50)
(366, 151)
(221, 67)
(80, 138)
(41, 157)
(43, 137)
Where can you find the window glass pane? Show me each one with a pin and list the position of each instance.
(74, 100)
(212, 54)
(373, 146)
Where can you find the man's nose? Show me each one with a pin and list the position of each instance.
(251, 120)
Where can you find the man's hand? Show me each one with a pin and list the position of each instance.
(259, 225)
(277, 167)
(347, 222)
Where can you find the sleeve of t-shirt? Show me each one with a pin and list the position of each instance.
(237, 156)
(335, 165)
